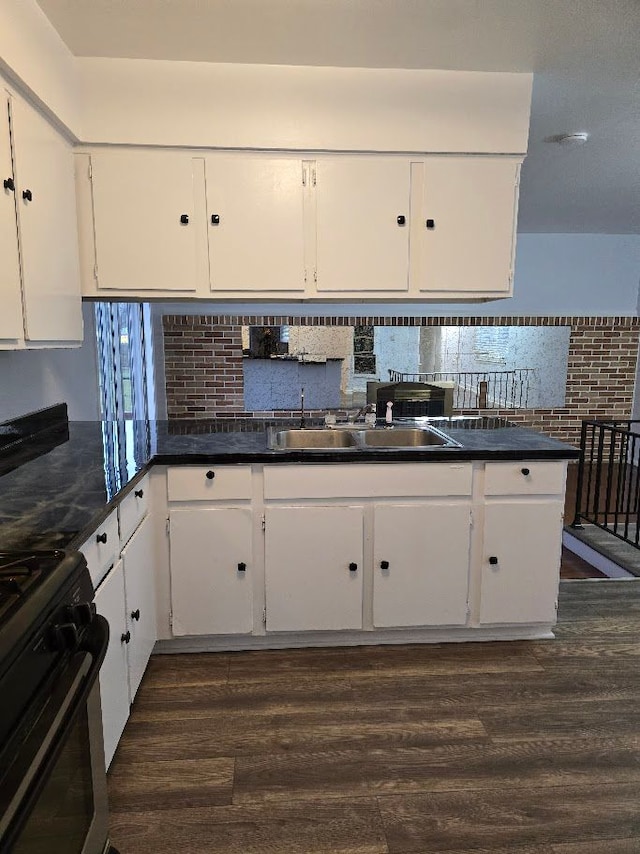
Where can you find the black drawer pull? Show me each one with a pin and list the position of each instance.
(184, 219)
(430, 223)
(215, 219)
(135, 615)
(384, 564)
(242, 567)
(353, 567)
(101, 538)
(138, 493)
(525, 472)
(401, 220)
(9, 184)
(493, 560)
(27, 195)
(210, 475)
(126, 637)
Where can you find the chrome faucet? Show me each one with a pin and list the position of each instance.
(368, 407)
(302, 425)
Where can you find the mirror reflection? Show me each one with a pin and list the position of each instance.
(487, 367)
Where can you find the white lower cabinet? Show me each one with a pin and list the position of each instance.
(313, 568)
(211, 570)
(114, 673)
(421, 564)
(137, 558)
(521, 561)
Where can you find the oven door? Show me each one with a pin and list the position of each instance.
(53, 795)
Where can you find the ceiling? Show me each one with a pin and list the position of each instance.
(584, 54)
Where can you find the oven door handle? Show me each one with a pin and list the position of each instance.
(24, 780)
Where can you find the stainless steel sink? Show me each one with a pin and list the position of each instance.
(303, 439)
(405, 437)
(359, 438)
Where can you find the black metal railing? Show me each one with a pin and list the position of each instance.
(608, 485)
(479, 389)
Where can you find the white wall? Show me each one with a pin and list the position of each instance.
(34, 379)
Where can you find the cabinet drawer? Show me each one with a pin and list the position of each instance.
(101, 556)
(367, 481)
(209, 483)
(133, 508)
(523, 478)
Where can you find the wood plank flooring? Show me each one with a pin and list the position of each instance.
(495, 748)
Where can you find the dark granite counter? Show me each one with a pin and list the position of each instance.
(61, 490)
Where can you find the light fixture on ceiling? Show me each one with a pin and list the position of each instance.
(571, 140)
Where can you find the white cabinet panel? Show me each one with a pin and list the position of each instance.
(472, 205)
(525, 478)
(10, 292)
(421, 564)
(114, 679)
(359, 244)
(132, 509)
(139, 198)
(255, 213)
(139, 571)
(313, 568)
(211, 570)
(209, 483)
(521, 561)
(46, 203)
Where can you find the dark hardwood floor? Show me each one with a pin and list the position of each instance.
(508, 748)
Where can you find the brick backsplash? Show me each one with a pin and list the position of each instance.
(203, 365)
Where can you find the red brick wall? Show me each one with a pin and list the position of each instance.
(203, 364)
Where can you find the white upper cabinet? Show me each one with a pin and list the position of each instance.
(11, 328)
(466, 237)
(256, 223)
(44, 218)
(346, 226)
(362, 224)
(147, 220)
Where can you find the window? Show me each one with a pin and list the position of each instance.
(123, 353)
(491, 344)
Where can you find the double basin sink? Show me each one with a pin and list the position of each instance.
(358, 437)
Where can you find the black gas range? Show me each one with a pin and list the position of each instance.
(52, 643)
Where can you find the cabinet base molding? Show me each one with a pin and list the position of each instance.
(297, 640)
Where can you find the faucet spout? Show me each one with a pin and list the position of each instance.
(302, 424)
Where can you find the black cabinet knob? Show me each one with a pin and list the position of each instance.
(353, 567)
(215, 219)
(101, 538)
(27, 195)
(184, 219)
(384, 564)
(525, 472)
(210, 475)
(431, 223)
(242, 567)
(126, 637)
(138, 493)
(135, 615)
(401, 220)
(493, 560)
(9, 184)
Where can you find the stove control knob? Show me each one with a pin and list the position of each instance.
(81, 614)
(65, 637)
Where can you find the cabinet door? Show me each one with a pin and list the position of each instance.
(46, 202)
(472, 203)
(421, 564)
(138, 201)
(256, 224)
(310, 555)
(522, 585)
(211, 571)
(10, 291)
(114, 680)
(140, 601)
(359, 244)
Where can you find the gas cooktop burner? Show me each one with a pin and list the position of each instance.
(19, 572)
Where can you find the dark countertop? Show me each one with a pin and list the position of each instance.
(58, 498)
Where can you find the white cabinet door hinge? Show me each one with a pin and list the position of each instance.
(313, 176)
(168, 526)
(264, 522)
(171, 619)
(555, 605)
(90, 170)
(304, 175)
(264, 616)
(95, 272)
(468, 610)
(315, 276)
(471, 518)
